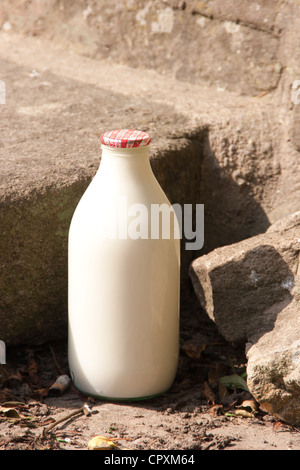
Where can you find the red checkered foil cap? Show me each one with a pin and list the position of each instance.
(125, 138)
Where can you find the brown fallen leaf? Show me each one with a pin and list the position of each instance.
(216, 410)
(40, 392)
(249, 405)
(277, 426)
(208, 393)
(194, 346)
(10, 412)
(14, 403)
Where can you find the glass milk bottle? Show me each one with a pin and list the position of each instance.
(124, 261)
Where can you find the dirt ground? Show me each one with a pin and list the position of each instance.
(197, 413)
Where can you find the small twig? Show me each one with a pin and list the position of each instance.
(64, 418)
(152, 442)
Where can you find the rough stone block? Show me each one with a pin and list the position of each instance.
(241, 285)
(273, 368)
(251, 290)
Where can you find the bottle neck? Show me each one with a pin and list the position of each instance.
(125, 161)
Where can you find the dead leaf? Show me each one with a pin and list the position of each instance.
(208, 393)
(101, 443)
(216, 410)
(277, 426)
(195, 346)
(193, 350)
(13, 403)
(10, 412)
(243, 413)
(249, 405)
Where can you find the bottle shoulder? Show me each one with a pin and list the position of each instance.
(102, 190)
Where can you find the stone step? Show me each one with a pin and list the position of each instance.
(237, 48)
(209, 146)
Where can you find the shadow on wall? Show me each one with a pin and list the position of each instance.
(193, 175)
(232, 213)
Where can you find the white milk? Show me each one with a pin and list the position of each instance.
(123, 290)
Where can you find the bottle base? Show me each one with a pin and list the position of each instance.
(121, 399)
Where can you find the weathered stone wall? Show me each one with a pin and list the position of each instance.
(248, 47)
(235, 48)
